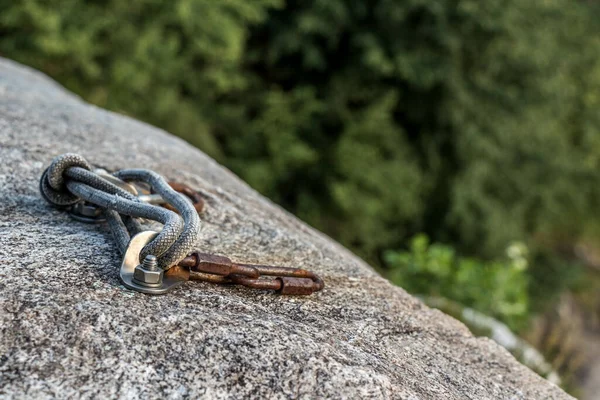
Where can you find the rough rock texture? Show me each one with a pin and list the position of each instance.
(69, 329)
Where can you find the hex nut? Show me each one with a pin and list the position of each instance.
(147, 277)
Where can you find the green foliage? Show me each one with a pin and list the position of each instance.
(497, 288)
(478, 108)
(167, 62)
(474, 121)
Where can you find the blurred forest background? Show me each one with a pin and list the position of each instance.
(453, 144)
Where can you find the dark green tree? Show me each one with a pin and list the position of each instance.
(473, 121)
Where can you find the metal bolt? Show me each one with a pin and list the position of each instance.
(147, 273)
(150, 263)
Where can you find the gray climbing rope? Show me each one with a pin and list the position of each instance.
(69, 180)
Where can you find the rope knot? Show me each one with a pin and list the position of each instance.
(52, 183)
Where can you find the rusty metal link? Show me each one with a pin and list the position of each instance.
(217, 265)
(219, 269)
(190, 193)
(150, 197)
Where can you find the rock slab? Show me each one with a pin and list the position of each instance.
(68, 329)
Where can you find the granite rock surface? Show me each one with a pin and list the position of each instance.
(69, 329)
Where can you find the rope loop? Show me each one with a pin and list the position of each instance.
(69, 181)
(52, 184)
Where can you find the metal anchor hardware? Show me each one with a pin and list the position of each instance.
(145, 277)
(169, 258)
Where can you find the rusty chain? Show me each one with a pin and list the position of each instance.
(220, 269)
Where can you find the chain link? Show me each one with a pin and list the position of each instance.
(219, 269)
